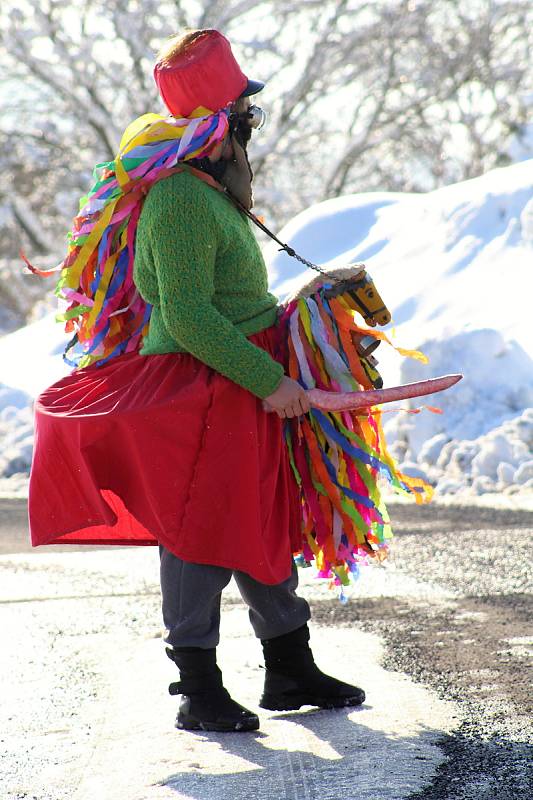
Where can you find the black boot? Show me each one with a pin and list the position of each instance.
(293, 679)
(205, 704)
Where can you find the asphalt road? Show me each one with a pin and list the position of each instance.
(465, 630)
(475, 646)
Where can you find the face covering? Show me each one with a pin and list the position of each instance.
(236, 173)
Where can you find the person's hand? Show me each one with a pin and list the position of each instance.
(289, 399)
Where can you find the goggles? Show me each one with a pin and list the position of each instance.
(253, 119)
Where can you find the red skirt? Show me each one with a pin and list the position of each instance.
(162, 449)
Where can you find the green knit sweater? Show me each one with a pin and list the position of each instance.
(198, 263)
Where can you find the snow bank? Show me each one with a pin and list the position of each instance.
(483, 440)
(458, 258)
(497, 385)
(455, 268)
(499, 461)
(16, 435)
(30, 358)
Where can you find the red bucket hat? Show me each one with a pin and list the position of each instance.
(205, 74)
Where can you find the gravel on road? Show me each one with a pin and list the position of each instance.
(474, 645)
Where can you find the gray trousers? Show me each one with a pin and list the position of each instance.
(191, 602)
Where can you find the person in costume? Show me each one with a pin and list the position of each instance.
(170, 429)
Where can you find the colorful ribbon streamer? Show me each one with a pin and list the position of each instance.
(105, 311)
(337, 457)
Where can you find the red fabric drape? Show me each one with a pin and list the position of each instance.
(163, 449)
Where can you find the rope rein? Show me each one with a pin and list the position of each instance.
(287, 248)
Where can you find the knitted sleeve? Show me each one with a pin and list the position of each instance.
(183, 240)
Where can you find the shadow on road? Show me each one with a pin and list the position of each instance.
(331, 755)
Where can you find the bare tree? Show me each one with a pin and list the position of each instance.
(389, 94)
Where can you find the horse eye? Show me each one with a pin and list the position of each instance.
(370, 293)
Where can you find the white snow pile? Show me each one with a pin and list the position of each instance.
(16, 433)
(30, 360)
(483, 441)
(454, 267)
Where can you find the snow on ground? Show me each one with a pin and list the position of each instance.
(455, 268)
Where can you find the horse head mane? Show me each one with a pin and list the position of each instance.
(340, 275)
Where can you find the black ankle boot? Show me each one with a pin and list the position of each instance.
(293, 679)
(205, 704)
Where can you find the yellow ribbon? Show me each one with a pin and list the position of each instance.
(74, 271)
(382, 335)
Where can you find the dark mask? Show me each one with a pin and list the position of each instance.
(242, 124)
(214, 168)
(237, 174)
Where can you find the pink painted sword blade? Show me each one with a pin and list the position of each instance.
(346, 401)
